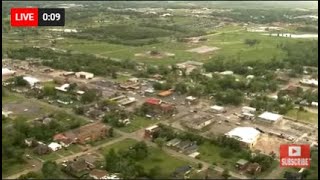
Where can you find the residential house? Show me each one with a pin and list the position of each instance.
(182, 172)
(31, 81)
(242, 164)
(78, 168)
(217, 109)
(247, 109)
(54, 146)
(269, 117)
(253, 168)
(183, 145)
(148, 133)
(98, 174)
(42, 149)
(84, 134)
(173, 142)
(84, 75)
(191, 149)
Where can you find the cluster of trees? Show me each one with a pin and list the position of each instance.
(264, 103)
(72, 61)
(113, 117)
(126, 163)
(19, 81)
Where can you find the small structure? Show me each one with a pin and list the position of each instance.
(226, 73)
(247, 116)
(68, 73)
(218, 109)
(31, 81)
(174, 142)
(153, 101)
(54, 146)
(247, 109)
(98, 174)
(182, 171)
(200, 123)
(315, 104)
(84, 75)
(148, 133)
(165, 93)
(309, 82)
(269, 117)
(253, 168)
(242, 164)
(63, 88)
(78, 168)
(247, 135)
(8, 72)
(42, 149)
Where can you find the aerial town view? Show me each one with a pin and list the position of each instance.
(162, 90)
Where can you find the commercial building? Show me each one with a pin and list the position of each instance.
(84, 75)
(247, 135)
(269, 117)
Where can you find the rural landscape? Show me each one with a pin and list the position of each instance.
(160, 90)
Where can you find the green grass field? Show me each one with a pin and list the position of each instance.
(304, 116)
(137, 123)
(156, 157)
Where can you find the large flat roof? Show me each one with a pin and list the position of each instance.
(244, 134)
(270, 116)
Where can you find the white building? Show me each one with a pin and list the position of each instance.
(217, 109)
(247, 135)
(226, 73)
(269, 117)
(8, 72)
(247, 109)
(84, 75)
(315, 104)
(31, 80)
(63, 88)
(309, 82)
(54, 146)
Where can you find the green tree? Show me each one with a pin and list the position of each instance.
(89, 96)
(51, 170)
(49, 90)
(160, 142)
(19, 81)
(225, 174)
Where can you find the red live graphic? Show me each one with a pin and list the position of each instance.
(295, 155)
(24, 16)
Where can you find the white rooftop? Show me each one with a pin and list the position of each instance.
(191, 98)
(31, 80)
(218, 108)
(152, 127)
(244, 134)
(226, 73)
(270, 116)
(54, 146)
(6, 71)
(64, 87)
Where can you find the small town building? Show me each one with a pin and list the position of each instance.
(84, 75)
(269, 117)
(242, 164)
(54, 146)
(42, 149)
(247, 109)
(148, 133)
(63, 88)
(182, 171)
(217, 109)
(315, 104)
(98, 174)
(8, 72)
(78, 168)
(309, 82)
(173, 142)
(68, 73)
(31, 81)
(247, 135)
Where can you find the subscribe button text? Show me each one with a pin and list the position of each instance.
(32, 17)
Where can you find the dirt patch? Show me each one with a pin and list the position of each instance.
(203, 49)
(155, 54)
(267, 144)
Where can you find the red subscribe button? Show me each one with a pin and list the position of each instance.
(24, 17)
(30, 17)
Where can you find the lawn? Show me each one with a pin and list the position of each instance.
(137, 123)
(304, 116)
(15, 168)
(211, 154)
(166, 163)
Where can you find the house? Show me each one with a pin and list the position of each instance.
(246, 116)
(173, 142)
(191, 149)
(200, 122)
(148, 133)
(269, 117)
(63, 88)
(153, 101)
(165, 93)
(226, 73)
(54, 146)
(130, 85)
(84, 75)
(314, 104)
(8, 72)
(127, 101)
(292, 175)
(98, 174)
(84, 134)
(31, 81)
(309, 82)
(78, 168)
(183, 145)
(218, 109)
(253, 168)
(182, 171)
(42, 149)
(242, 164)
(68, 73)
(247, 135)
(247, 109)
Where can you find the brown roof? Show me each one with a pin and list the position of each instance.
(79, 165)
(165, 93)
(98, 173)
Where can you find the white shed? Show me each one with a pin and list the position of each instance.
(54, 146)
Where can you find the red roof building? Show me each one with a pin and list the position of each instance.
(153, 101)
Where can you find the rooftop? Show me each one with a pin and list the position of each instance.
(244, 134)
(270, 116)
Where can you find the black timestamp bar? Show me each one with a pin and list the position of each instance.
(51, 17)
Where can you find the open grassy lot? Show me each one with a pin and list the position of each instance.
(156, 157)
(304, 116)
(15, 168)
(137, 123)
